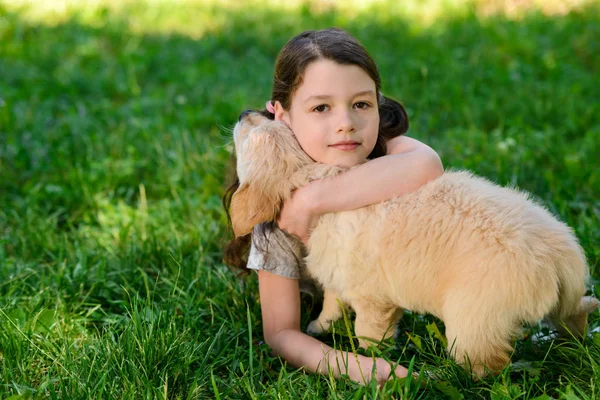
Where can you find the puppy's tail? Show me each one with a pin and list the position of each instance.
(570, 315)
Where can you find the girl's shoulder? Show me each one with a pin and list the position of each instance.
(276, 251)
(282, 254)
(270, 235)
(404, 144)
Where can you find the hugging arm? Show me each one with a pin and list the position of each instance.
(280, 304)
(408, 165)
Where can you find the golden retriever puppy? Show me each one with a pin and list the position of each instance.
(482, 258)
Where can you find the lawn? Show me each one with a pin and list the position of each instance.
(115, 150)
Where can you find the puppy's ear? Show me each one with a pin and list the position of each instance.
(249, 207)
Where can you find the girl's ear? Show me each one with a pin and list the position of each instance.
(248, 208)
(281, 114)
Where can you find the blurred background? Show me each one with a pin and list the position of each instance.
(115, 150)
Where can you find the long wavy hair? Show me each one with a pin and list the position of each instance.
(296, 55)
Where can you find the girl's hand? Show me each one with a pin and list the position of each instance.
(383, 371)
(299, 215)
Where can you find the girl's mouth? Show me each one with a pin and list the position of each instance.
(345, 146)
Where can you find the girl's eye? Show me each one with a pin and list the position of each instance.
(362, 105)
(321, 108)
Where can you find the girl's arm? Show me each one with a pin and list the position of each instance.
(408, 165)
(280, 304)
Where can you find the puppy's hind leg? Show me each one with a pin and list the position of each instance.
(330, 312)
(576, 324)
(479, 338)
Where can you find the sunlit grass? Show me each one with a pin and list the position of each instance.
(196, 18)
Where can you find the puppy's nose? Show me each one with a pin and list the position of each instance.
(244, 113)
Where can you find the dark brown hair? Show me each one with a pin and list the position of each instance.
(331, 44)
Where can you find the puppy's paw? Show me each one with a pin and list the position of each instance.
(589, 304)
(316, 327)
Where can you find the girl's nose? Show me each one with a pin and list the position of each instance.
(345, 124)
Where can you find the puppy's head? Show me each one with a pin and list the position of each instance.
(267, 154)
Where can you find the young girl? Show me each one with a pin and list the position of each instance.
(326, 88)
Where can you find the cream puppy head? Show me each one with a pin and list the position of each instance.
(268, 155)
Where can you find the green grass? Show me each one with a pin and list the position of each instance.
(114, 153)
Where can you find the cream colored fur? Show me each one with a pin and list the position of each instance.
(482, 258)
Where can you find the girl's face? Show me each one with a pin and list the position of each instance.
(334, 113)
